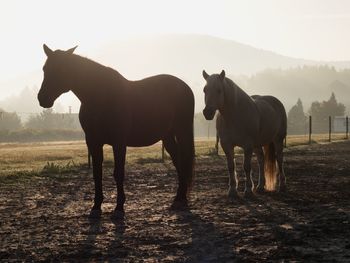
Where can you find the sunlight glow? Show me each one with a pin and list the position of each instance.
(304, 29)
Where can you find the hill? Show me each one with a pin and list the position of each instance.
(186, 56)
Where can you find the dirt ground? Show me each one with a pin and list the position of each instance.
(44, 218)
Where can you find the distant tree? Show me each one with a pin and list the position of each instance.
(48, 119)
(320, 111)
(9, 121)
(296, 119)
(331, 107)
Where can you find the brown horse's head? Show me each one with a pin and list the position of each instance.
(213, 93)
(57, 76)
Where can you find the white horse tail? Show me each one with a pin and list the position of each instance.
(270, 167)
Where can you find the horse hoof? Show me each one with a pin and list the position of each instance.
(95, 214)
(179, 205)
(282, 188)
(232, 194)
(260, 190)
(248, 194)
(118, 215)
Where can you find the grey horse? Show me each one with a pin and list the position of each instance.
(255, 123)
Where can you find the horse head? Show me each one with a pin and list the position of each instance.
(213, 93)
(58, 78)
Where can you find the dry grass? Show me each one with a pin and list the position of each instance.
(293, 140)
(34, 157)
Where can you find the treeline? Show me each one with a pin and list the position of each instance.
(51, 126)
(320, 112)
(47, 119)
(45, 126)
(31, 135)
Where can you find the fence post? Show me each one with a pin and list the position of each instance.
(163, 153)
(347, 127)
(310, 128)
(330, 128)
(89, 159)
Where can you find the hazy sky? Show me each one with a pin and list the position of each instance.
(313, 29)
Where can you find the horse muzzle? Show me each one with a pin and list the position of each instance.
(44, 102)
(208, 113)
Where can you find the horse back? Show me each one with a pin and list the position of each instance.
(159, 105)
(139, 113)
(273, 118)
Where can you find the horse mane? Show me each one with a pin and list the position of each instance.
(233, 96)
(84, 63)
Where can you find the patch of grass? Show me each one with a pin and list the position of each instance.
(50, 169)
(56, 168)
(213, 152)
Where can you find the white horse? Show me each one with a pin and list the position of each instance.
(257, 124)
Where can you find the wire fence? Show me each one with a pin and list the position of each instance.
(333, 128)
(328, 129)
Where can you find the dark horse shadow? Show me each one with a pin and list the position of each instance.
(205, 237)
(96, 233)
(87, 249)
(116, 250)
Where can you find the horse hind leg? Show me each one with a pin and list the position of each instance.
(171, 147)
(233, 182)
(261, 182)
(279, 157)
(185, 160)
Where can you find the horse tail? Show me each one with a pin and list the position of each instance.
(190, 178)
(270, 167)
(186, 153)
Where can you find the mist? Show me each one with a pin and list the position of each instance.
(266, 47)
(185, 56)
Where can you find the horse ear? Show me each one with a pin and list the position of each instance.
(205, 75)
(71, 50)
(222, 75)
(47, 50)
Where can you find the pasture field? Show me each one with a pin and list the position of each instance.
(29, 158)
(46, 192)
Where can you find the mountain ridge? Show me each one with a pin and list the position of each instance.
(183, 55)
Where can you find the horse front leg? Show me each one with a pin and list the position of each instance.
(97, 159)
(119, 174)
(249, 184)
(229, 153)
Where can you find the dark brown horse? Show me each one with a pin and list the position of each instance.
(123, 113)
